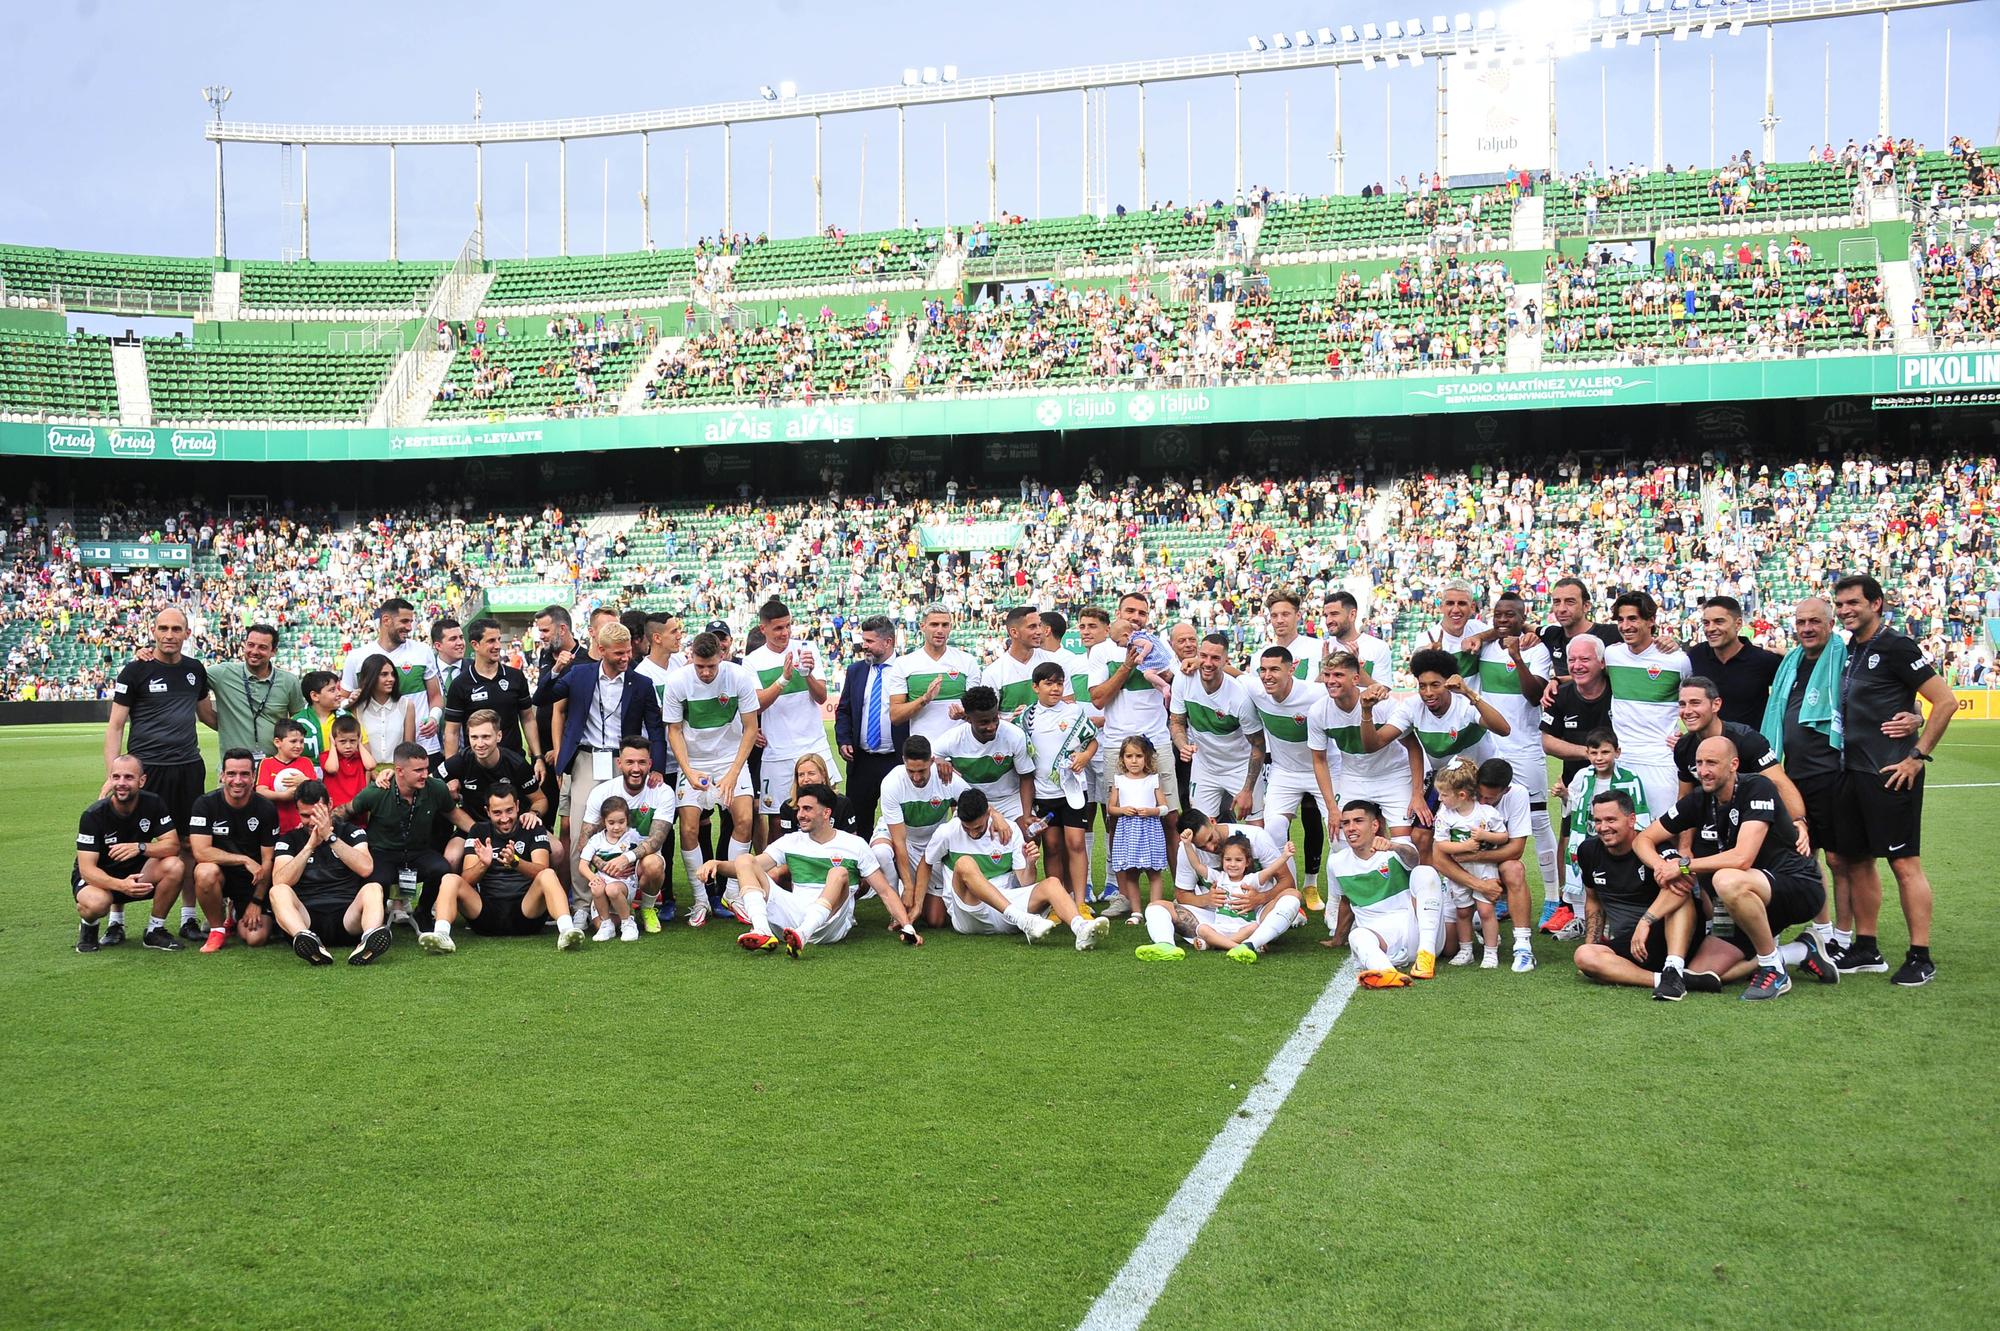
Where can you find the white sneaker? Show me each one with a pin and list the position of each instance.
(582, 914)
(1462, 957)
(1490, 961)
(435, 942)
(605, 932)
(1033, 927)
(1524, 960)
(569, 939)
(1089, 933)
(400, 913)
(628, 932)
(697, 914)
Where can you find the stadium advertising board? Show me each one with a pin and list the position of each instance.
(131, 554)
(1498, 114)
(1948, 379)
(918, 423)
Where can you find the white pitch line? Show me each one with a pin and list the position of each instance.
(1130, 1296)
(1966, 785)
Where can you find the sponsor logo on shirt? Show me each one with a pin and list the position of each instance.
(156, 685)
(1768, 806)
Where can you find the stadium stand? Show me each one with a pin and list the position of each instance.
(338, 286)
(778, 361)
(1341, 225)
(1019, 247)
(545, 285)
(57, 375)
(837, 259)
(1636, 201)
(250, 381)
(1960, 292)
(1412, 314)
(543, 367)
(96, 281)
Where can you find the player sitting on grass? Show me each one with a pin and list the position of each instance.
(127, 849)
(506, 886)
(1636, 932)
(915, 803)
(1226, 913)
(826, 868)
(990, 890)
(610, 858)
(1276, 905)
(1464, 830)
(233, 833)
(319, 885)
(1398, 904)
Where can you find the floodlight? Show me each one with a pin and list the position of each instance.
(1257, 43)
(1302, 39)
(1736, 27)
(1708, 29)
(1414, 26)
(910, 78)
(1632, 37)
(1395, 30)
(768, 93)
(1681, 33)
(1463, 23)
(788, 90)
(1368, 62)
(1485, 20)
(1371, 32)
(1606, 8)
(1282, 42)
(1347, 33)
(930, 74)
(1326, 37)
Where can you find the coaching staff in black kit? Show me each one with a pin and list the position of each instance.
(164, 700)
(1879, 803)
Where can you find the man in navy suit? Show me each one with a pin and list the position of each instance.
(596, 705)
(869, 743)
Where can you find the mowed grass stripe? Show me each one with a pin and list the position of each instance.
(1496, 1150)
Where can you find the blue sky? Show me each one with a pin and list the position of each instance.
(105, 114)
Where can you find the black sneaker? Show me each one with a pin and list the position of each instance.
(114, 933)
(1669, 986)
(1702, 982)
(373, 944)
(161, 941)
(86, 936)
(1819, 962)
(1767, 982)
(306, 943)
(191, 930)
(1863, 958)
(1914, 971)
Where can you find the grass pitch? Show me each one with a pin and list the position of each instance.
(973, 1135)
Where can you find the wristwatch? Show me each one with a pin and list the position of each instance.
(1920, 755)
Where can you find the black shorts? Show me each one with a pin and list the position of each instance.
(1059, 813)
(237, 888)
(1875, 822)
(180, 785)
(1822, 801)
(329, 920)
(1794, 901)
(1656, 941)
(76, 886)
(501, 916)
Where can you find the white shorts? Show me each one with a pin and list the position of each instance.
(1216, 795)
(1223, 924)
(1662, 784)
(976, 917)
(1008, 805)
(1393, 796)
(1532, 771)
(1398, 931)
(786, 907)
(1284, 793)
(901, 875)
(1459, 897)
(687, 797)
(774, 778)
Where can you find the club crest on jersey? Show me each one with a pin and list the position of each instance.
(145, 824)
(1735, 818)
(1383, 871)
(723, 698)
(253, 824)
(1298, 720)
(1874, 659)
(505, 685)
(1652, 672)
(190, 675)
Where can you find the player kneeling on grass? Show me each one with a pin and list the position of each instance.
(127, 849)
(1464, 830)
(1225, 914)
(1398, 905)
(1276, 904)
(233, 832)
(990, 890)
(610, 861)
(1744, 853)
(1623, 905)
(506, 887)
(320, 891)
(826, 868)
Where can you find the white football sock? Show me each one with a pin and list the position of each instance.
(1428, 888)
(1676, 963)
(1276, 920)
(116, 915)
(1792, 954)
(1775, 960)
(1545, 853)
(737, 849)
(753, 905)
(692, 860)
(565, 923)
(816, 915)
(1160, 923)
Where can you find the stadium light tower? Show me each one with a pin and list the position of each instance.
(216, 95)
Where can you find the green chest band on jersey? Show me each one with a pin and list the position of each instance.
(710, 713)
(1654, 684)
(1376, 886)
(982, 769)
(1347, 739)
(1017, 695)
(1445, 743)
(798, 683)
(992, 866)
(1499, 677)
(951, 684)
(1208, 721)
(812, 870)
(927, 813)
(1290, 728)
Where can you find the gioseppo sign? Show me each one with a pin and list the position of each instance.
(81, 441)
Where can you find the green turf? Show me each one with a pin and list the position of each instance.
(973, 1135)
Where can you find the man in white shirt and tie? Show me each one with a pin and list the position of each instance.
(869, 741)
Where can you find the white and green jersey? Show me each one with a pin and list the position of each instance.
(1011, 679)
(920, 809)
(1375, 887)
(1137, 708)
(1076, 669)
(657, 676)
(1287, 724)
(1336, 731)
(1443, 738)
(1220, 723)
(1055, 735)
(711, 714)
(1375, 655)
(650, 801)
(1306, 655)
(1645, 700)
(995, 861)
(809, 861)
(910, 677)
(1265, 849)
(1451, 825)
(792, 724)
(1500, 685)
(1587, 786)
(1468, 662)
(995, 767)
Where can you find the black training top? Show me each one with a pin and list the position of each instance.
(1882, 679)
(1620, 883)
(475, 781)
(506, 693)
(326, 881)
(1570, 716)
(1809, 755)
(162, 700)
(101, 827)
(1716, 824)
(1753, 751)
(244, 831)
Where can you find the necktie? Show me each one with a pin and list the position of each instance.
(873, 739)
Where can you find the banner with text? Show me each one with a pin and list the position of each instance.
(1497, 112)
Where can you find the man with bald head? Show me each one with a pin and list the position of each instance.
(164, 701)
(1741, 852)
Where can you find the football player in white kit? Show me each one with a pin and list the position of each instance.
(1398, 903)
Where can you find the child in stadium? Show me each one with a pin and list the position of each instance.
(1139, 846)
(347, 766)
(614, 869)
(278, 776)
(1465, 827)
(1600, 746)
(1232, 918)
(323, 697)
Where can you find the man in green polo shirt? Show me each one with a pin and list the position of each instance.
(252, 694)
(409, 816)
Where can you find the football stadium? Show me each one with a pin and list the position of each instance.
(708, 783)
